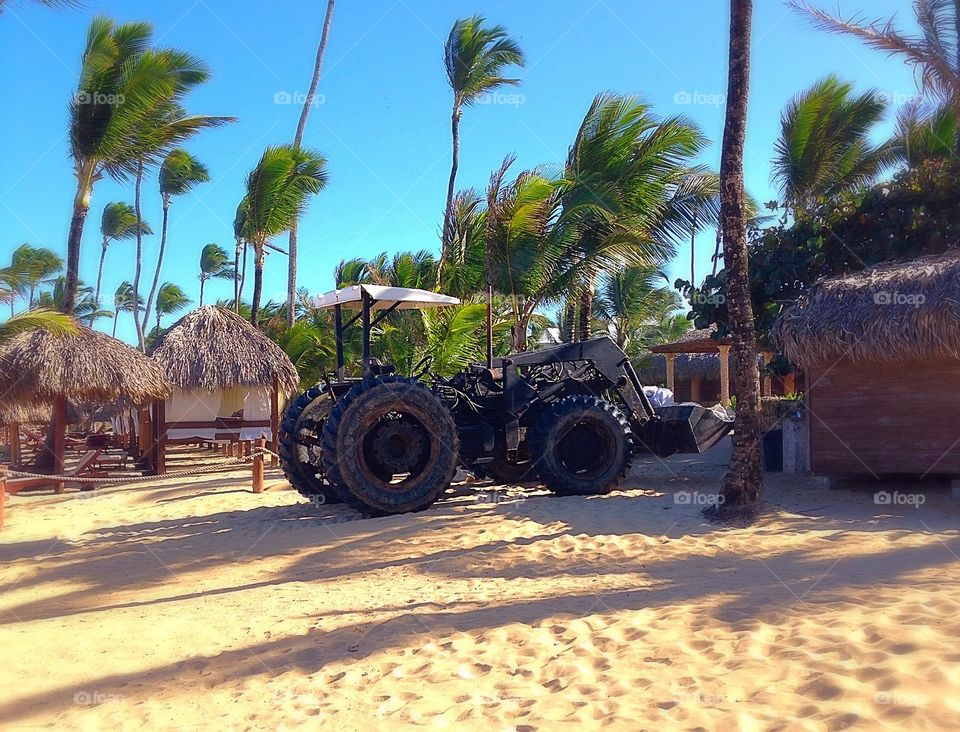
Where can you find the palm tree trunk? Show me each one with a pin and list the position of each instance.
(743, 483)
(96, 293)
(301, 125)
(257, 284)
(586, 307)
(243, 277)
(693, 252)
(137, 322)
(81, 205)
(116, 317)
(236, 276)
(202, 282)
(568, 326)
(448, 211)
(163, 246)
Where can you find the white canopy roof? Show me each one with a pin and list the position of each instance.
(407, 298)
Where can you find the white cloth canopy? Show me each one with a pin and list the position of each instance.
(192, 405)
(406, 298)
(256, 407)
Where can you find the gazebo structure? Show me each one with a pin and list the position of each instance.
(697, 342)
(41, 368)
(228, 378)
(881, 352)
(696, 376)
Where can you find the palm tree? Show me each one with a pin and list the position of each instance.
(102, 121)
(463, 273)
(180, 172)
(166, 125)
(934, 54)
(924, 135)
(239, 268)
(118, 222)
(31, 267)
(743, 483)
(297, 141)
(475, 57)
(214, 265)
(85, 307)
(123, 302)
(278, 190)
(48, 320)
(824, 147)
(633, 303)
(170, 299)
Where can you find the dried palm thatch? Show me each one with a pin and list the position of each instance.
(898, 312)
(24, 413)
(213, 348)
(702, 340)
(38, 367)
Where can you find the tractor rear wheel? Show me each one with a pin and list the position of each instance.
(581, 446)
(394, 443)
(300, 452)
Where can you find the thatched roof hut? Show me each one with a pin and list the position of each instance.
(687, 367)
(881, 351)
(88, 366)
(21, 413)
(696, 340)
(898, 312)
(212, 349)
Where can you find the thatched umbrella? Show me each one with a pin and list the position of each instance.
(898, 312)
(213, 348)
(39, 367)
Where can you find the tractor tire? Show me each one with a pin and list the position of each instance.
(394, 443)
(581, 446)
(299, 445)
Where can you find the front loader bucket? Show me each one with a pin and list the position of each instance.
(687, 428)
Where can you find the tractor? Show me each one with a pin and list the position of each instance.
(570, 416)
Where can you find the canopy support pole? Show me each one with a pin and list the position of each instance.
(366, 333)
(59, 436)
(338, 327)
(274, 420)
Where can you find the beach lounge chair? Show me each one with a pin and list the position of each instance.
(83, 469)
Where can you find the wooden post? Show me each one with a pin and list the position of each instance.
(766, 383)
(161, 437)
(258, 466)
(274, 420)
(695, 388)
(724, 374)
(3, 492)
(59, 436)
(14, 430)
(671, 359)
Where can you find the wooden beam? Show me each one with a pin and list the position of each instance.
(59, 436)
(671, 359)
(724, 375)
(161, 437)
(274, 419)
(258, 466)
(14, 430)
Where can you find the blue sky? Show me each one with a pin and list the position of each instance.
(383, 122)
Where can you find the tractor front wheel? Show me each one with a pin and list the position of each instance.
(580, 446)
(394, 444)
(300, 452)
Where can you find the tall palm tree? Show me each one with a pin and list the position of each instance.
(824, 146)
(632, 303)
(239, 268)
(166, 125)
(123, 302)
(743, 483)
(118, 222)
(297, 141)
(278, 191)
(102, 121)
(475, 56)
(170, 299)
(180, 172)
(85, 307)
(214, 265)
(32, 266)
(934, 53)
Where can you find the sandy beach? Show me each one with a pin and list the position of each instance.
(195, 604)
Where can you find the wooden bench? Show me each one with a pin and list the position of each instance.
(83, 469)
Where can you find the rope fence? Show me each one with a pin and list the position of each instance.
(256, 458)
